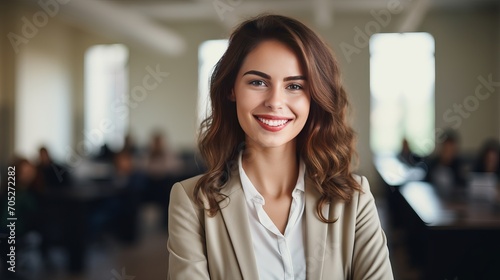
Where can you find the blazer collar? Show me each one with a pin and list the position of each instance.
(316, 231)
(235, 216)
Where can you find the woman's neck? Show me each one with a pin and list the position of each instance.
(273, 171)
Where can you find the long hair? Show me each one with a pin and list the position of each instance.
(325, 144)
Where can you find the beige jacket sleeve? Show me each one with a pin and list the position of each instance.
(371, 255)
(186, 241)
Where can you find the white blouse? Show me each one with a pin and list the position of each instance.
(278, 256)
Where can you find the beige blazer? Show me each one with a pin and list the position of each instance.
(220, 247)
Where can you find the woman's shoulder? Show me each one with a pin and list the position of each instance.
(364, 194)
(187, 186)
(363, 182)
(190, 183)
(361, 201)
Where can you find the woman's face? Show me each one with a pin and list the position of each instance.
(271, 96)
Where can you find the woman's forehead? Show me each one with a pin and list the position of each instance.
(273, 58)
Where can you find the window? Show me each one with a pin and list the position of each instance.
(43, 102)
(402, 78)
(209, 54)
(106, 85)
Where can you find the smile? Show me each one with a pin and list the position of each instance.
(272, 124)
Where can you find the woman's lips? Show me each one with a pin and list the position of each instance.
(272, 123)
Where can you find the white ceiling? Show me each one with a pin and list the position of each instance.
(141, 20)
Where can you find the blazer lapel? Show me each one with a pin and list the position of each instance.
(315, 233)
(234, 214)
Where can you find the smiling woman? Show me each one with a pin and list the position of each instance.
(279, 200)
(270, 96)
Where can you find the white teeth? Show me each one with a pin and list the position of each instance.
(273, 122)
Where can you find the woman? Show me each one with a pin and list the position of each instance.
(278, 200)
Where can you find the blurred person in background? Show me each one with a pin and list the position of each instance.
(105, 154)
(129, 182)
(161, 160)
(129, 146)
(407, 156)
(56, 215)
(162, 164)
(52, 174)
(488, 159)
(25, 209)
(446, 169)
(26, 204)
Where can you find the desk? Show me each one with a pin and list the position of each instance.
(453, 236)
(68, 216)
(395, 173)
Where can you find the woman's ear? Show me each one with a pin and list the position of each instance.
(232, 97)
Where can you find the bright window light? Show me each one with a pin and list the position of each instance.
(209, 54)
(402, 81)
(106, 86)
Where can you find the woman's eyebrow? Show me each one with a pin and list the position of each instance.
(266, 76)
(258, 73)
(291, 78)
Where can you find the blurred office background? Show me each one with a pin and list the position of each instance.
(100, 101)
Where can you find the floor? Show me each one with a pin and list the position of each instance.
(148, 259)
(107, 260)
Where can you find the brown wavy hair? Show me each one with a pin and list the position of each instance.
(325, 144)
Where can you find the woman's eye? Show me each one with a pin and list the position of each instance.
(295, 87)
(258, 83)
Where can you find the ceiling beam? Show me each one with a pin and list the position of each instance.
(204, 10)
(117, 22)
(413, 15)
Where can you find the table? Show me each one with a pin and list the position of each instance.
(67, 217)
(451, 235)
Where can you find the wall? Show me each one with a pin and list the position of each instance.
(356, 76)
(44, 93)
(171, 106)
(46, 75)
(7, 83)
(465, 54)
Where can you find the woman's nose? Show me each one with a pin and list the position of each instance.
(275, 97)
